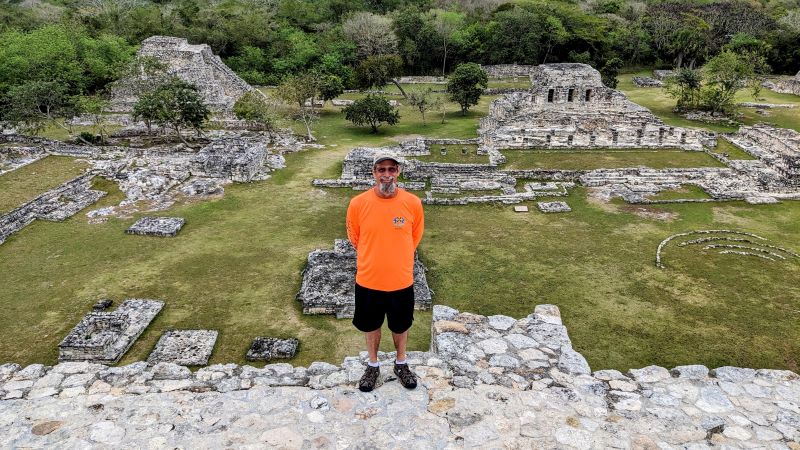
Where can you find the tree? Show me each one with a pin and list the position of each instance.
(609, 72)
(373, 34)
(176, 104)
(685, 86)
(377, 71)
(725, 74)
(33, 103)
(330, 87)
(445, 23)
(254, 107)
(466, 84)
(423, 100)
(372, 110)
(302, 91)
(95, 107)
(556, 34)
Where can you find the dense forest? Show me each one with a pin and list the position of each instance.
(77, 46)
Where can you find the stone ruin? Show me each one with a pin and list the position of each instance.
(235, 159)
(553, 207)
(784, 85)
(569, 107)
(151, 177)
(776, 148)
(184, 347)
(103, 337)
(508, 70)
(555, 114)
(267, 348)
(662, 75)
(157, 226)
(728, 242)
(647, 82)
(55, 205)
(196, 64)
(486, 382)
(13, 157)
(329, 279)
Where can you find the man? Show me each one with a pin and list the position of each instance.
(385, 225)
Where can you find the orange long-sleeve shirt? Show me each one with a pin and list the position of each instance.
(385, 233)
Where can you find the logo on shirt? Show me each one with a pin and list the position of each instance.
(399, 221)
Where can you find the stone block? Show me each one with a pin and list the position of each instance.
(103, 337)
(553, 207)
(267, 348)
(157, 226)
(184, 347)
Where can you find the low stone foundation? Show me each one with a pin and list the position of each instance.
(489, 382)
(55, 205)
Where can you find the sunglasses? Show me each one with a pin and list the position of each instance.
(393, 169)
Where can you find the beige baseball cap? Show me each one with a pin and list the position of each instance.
(381, 157)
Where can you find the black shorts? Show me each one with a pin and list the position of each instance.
(372, 306)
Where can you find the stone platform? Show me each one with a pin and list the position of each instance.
(488, 382)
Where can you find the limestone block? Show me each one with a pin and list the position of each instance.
(184, 347)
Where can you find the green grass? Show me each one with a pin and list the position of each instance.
(662, 105)
(54, 131)
(725, 147)
(236, 267)
(25, 183)
(596, 159)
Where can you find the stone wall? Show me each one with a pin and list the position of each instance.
(196, 64)
(54, 205)
(778, 148)
(784, 85)
(489, 382)
(507, 70)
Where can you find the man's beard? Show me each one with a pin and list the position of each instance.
(388, 189)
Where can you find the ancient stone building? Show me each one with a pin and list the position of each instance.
(196, 64)
(103, 337)
(235, 159)
(568, 106)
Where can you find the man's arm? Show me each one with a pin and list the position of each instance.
(419, 224)
(353, 228)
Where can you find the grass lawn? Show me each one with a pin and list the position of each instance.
(236, 267)
(724, 146)
(657, 101)
(25, 183)
(596, 159)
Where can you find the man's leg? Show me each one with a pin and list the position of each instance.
(401, 316)
(400, 340)
(373, 342)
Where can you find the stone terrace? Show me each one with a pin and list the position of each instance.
(487, 382)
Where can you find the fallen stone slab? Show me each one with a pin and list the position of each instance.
(184, 347)
(553, 207)
(157, 226)
(267, 348)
